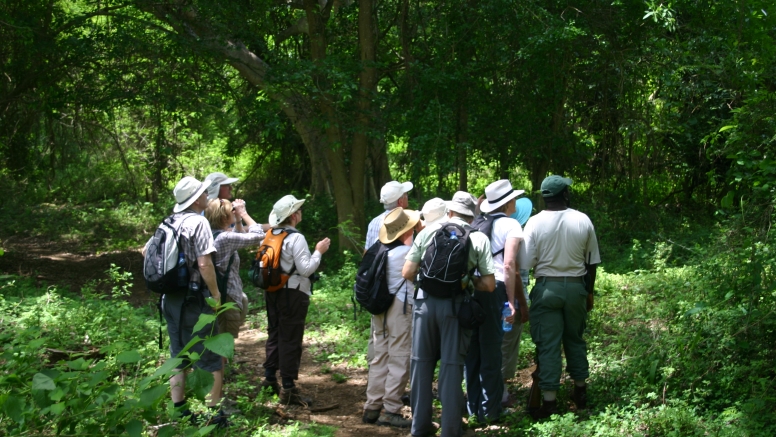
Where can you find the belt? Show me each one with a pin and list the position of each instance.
(580, 279)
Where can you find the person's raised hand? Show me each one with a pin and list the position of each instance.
(323, 245)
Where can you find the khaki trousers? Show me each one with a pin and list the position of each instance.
(389, 369)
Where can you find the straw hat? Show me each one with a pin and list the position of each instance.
(396, 223)
(188, 190)
(283, 208)
(497, 194)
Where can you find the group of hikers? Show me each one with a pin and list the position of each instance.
(456, 273)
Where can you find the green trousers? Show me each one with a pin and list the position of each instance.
(558, 315)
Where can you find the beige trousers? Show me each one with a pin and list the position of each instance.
(389, 370)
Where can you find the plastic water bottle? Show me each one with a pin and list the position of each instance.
(506, 312)
(453, 235)
(183, 272)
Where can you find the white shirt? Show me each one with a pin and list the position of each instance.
(397, 285)
(503, 229)
(557, 243)
(296, 253)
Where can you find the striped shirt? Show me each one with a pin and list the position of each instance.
(373, 231)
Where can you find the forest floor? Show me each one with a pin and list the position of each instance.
(67, 267)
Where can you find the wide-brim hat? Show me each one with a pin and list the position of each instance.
(497, 194)
(217, 179)
(554, 185)
(188, 190)
(283, 208)
(462, 203)
(396, 223)
(434, 211)
(392, 191)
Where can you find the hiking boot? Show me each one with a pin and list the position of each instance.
(547, 409)
(405, 399)
(370, 416)
(580, 397)
(219, 419)
(394, 419)
(273, 386)
(294, 396)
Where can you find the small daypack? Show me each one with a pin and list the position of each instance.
(445, 263)
(222, 279)
(265, 271)
(164, 265)
(371, 287)
(484, 223)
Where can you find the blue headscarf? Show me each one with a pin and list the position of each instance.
(523, 207)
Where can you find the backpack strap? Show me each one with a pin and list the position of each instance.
(492, 225)
(225, 276)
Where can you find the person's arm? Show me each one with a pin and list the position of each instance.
(243, 216)
(410, 270)
(307, 263)
(208, 271)
(590, 284)
(485, 283)
(512, 280)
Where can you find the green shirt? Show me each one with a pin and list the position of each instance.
(479, 253)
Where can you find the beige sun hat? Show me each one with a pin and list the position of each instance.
(216, 180)
(186, 191)
(392, 191)
(283, 208)
(462, 203)
(396, 223)
(498, 193)
(434, 211)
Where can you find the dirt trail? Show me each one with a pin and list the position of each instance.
(65, 266)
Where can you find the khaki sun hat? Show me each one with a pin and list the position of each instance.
(186, 191)
(396, 223)
(497, 194)
(462, 203)
(216, 180)
(283, 208)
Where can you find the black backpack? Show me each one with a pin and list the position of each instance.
(371, 287)
(164, 265)
(484, 223)
(445, 262)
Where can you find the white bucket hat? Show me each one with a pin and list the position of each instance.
(434, 211)
(392, 191)
(498, 193)
(283, 208)
(462, 203)
(217, 179)
(187, 190)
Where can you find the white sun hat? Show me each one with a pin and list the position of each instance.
(283, 208)
(498, 193)
(186, 191)
(217, 179)
(434, 211)
(392, 191)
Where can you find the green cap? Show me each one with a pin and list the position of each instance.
(553, 185)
